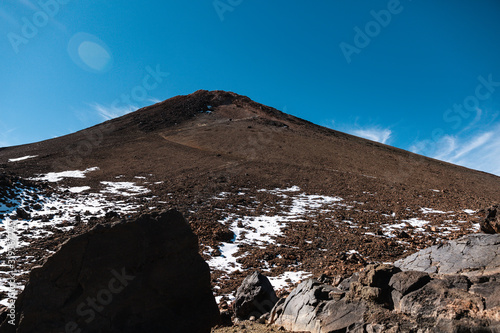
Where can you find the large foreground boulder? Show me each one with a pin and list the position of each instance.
(134, 276)
(474, 254)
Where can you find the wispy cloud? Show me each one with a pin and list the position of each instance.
(374, 133)
(6, 136)
(477, 149)
(154, 100)
(110, 112)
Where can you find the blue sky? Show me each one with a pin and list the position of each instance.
(419, 75)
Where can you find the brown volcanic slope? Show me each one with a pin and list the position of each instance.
(193, 148)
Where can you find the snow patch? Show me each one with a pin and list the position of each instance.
(431, 211)
(124, 188)
(260, 231)
(58, 176)
(57, 211)
(22, 158)
(79, 189)
(288, 279)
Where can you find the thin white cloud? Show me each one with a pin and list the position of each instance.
(446, 146)
(476, 142)
(479, 149)
(6, 137)
(154, 100)
(371, 132)
(110, 112)
(375, 134)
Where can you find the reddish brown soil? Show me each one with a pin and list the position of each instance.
(240, 144)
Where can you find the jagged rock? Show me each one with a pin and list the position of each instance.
(377, 275)
(310, 307)
(489, 288)
(254, 297)
(143, 275)
(406, 282)
(422, 303)
(374, 283)
(490, 224)
(437, 300)
(345, 284)
(475, 254)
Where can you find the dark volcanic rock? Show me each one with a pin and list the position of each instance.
(312, 306)
(475, 254)
(436, 299)
(134, 276)
(254, 297)
(441, 303)
(490, 224)
(406, 282)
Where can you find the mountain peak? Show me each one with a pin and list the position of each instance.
(179, 109)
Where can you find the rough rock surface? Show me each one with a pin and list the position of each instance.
(254, 297)
(317, 307)
(420, 303)
(143, 275)
(490, 224)
(474, 254)
(404, 283)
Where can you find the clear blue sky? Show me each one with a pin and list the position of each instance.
(419, 75)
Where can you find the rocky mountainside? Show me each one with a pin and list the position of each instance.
(261, 189)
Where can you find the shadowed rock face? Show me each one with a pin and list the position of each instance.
(134, 276)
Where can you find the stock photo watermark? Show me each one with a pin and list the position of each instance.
(94, 137)
(12, 243)
(30, 26)
(363, 37)
(88, 309)
(455, 116)
(140, 92)
(224, 6)
(462, 111)
(470, 105)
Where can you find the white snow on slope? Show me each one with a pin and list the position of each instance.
(54, 211)
(260, 231)
(79, 189)
(288, 278)
(124, 188)
(22, 158)
(58, 176)
(432, 211)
